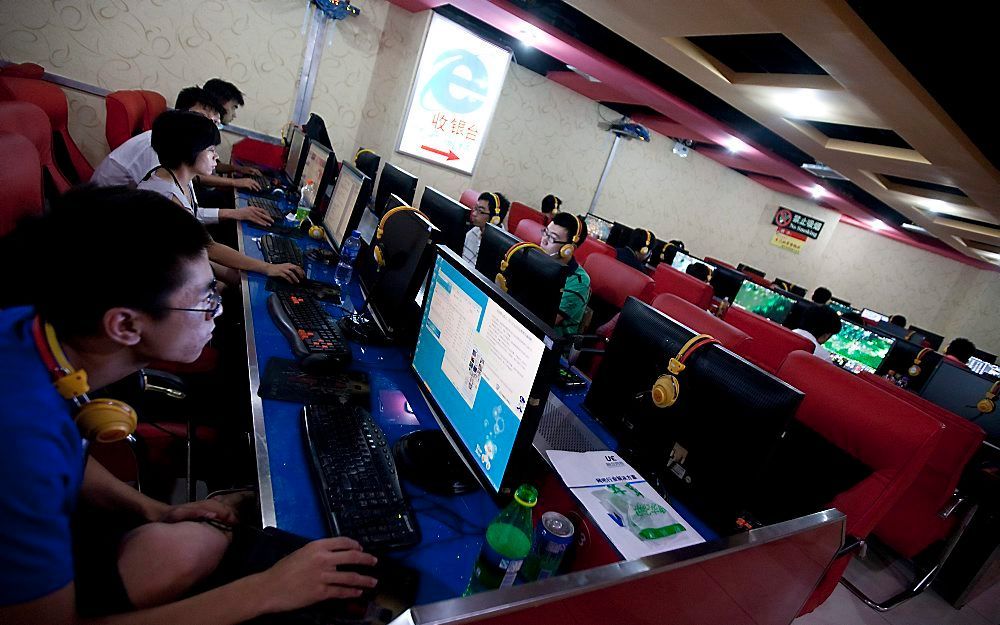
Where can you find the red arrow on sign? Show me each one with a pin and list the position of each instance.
(451, 156)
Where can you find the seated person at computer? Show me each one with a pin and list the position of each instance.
(550, 207)
(185, 145)
(560, 239)
(147, 298)
(230, 98)
(821, 295)
(699, 270)
(959, 351)
(131, 161)
(818, 324)
(898, 320)
(636, 252)
(491, 208)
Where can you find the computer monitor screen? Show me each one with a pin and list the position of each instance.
(873, 316)
(393, 181)
(296, 146)
(856, 349)
(492, 248)
(892, 329)
(312, 169)
(682, 260)
(957, 389)
(840, 307)
(726, 282)
(983, 367)
(985, 356)
(708, 448)
(790, 286)
(749, 269)
(763, 301)
(933, 340)
(450, 216)
(345, 198)
(480, 359)
(598, 227)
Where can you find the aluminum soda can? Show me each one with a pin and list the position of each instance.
(553, 534)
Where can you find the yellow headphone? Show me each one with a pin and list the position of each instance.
(667, 387)
(556, 203)
(495, 219)
(377, 247)
(101, 420)
(914, 369)
(567, 250)
(988, 403)
(362, 151)
(501, 279)
(645, 247)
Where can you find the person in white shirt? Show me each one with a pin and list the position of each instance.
(185, 144)
(129, 163)
(819, 324)
(491, 208)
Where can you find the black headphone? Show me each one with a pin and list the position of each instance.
(567, 249)
(667, 388)
(100, 419)
(377, 250)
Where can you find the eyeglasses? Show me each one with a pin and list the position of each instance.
(479, 210)
(550, 238)
(214, 301)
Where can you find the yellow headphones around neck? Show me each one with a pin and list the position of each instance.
(667, 388)
(567, 250)
(988, 403)
(645, 247)
(100, 420)
(501, 279)
(914, 369)
(377, 250)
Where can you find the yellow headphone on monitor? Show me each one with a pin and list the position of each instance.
(556, 203)
(101, 420)
(495, 219)
(667, 387)
(988, 403)
(645, 246)
(501, 279)
(377, 247)
(567, 250)
(914, 369)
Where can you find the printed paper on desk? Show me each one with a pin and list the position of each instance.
(633, 516)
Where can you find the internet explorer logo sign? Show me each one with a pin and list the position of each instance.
(459, 83)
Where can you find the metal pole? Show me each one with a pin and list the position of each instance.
(604, 174)
(310, 66)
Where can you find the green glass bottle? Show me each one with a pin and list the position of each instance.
(508, 541)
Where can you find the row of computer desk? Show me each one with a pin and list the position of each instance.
(709, 580)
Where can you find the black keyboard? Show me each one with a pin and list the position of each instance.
(277, 249)
(360, 487)
(271, 206)
(312, 332)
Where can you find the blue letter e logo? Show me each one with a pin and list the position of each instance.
(459, 82)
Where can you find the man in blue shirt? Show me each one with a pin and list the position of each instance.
(117, 301)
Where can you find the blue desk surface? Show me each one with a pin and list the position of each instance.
(452, 527)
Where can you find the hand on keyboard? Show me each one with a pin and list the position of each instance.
(311, 574)
(246, 183)
(285, 271)
(253, 214)
(247, 170)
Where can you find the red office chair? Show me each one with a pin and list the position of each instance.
(469, 198)
(611, 283)
(126, 111)
(529, 230)
(23, 70)
(771, 343)
(20, 179)
(519, 211)
(666, 279)
(699, 320)
(26, 119)
(52, 100)
(591, 246)
(155, 104)
(888, 435)
(268, 155)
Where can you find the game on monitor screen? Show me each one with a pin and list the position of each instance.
(763, 301)
(857, 349)
(479, 358)
(840, 308)
(682, 260)
(342, 204)
(598, 227)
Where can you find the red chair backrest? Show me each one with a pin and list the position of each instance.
(613, 281)
(666, 279)
(125, 113)
(23, 70)
(20, 179)
(52, 100)
(771, 343)
(752, 277)
(469, 198)
(590, 246)
(519, 212)
(24, 118)
(155, 104)
(700, 320)
(890, 436)
(530, 231)
(913, 523)
(270, 155)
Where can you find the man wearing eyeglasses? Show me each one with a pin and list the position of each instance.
(107, 302)
(492, 208)
(560, 239)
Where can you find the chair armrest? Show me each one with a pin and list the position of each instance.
(852, 544)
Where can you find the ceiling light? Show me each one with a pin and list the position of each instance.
(529, 35)
(735, 146)
(800, 103)
(936, 206)
(817, 191)
(915, 228)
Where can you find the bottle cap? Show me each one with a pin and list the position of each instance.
(526, 495)
(355, 233)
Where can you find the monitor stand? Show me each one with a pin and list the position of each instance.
(427, 459)
(361, 328)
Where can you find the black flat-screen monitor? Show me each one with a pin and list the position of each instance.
(841, 302)
(840, 308)
(345, 201)
(933, 340)
(958, 389)
(619, 236)
(749, 269)
(873, 316)
(393, 181)
(858, 349)
(708, 449)
(763, 301)
(450, 217)
(655, 253)
(297, 144)
(494, 244)
(598, 227)
(892, 329)
(901, 357)
(682, 260)
(483, 363)
(790, 286)
(313, 169)
(985, 356)
(726, 282)
(983, 367)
